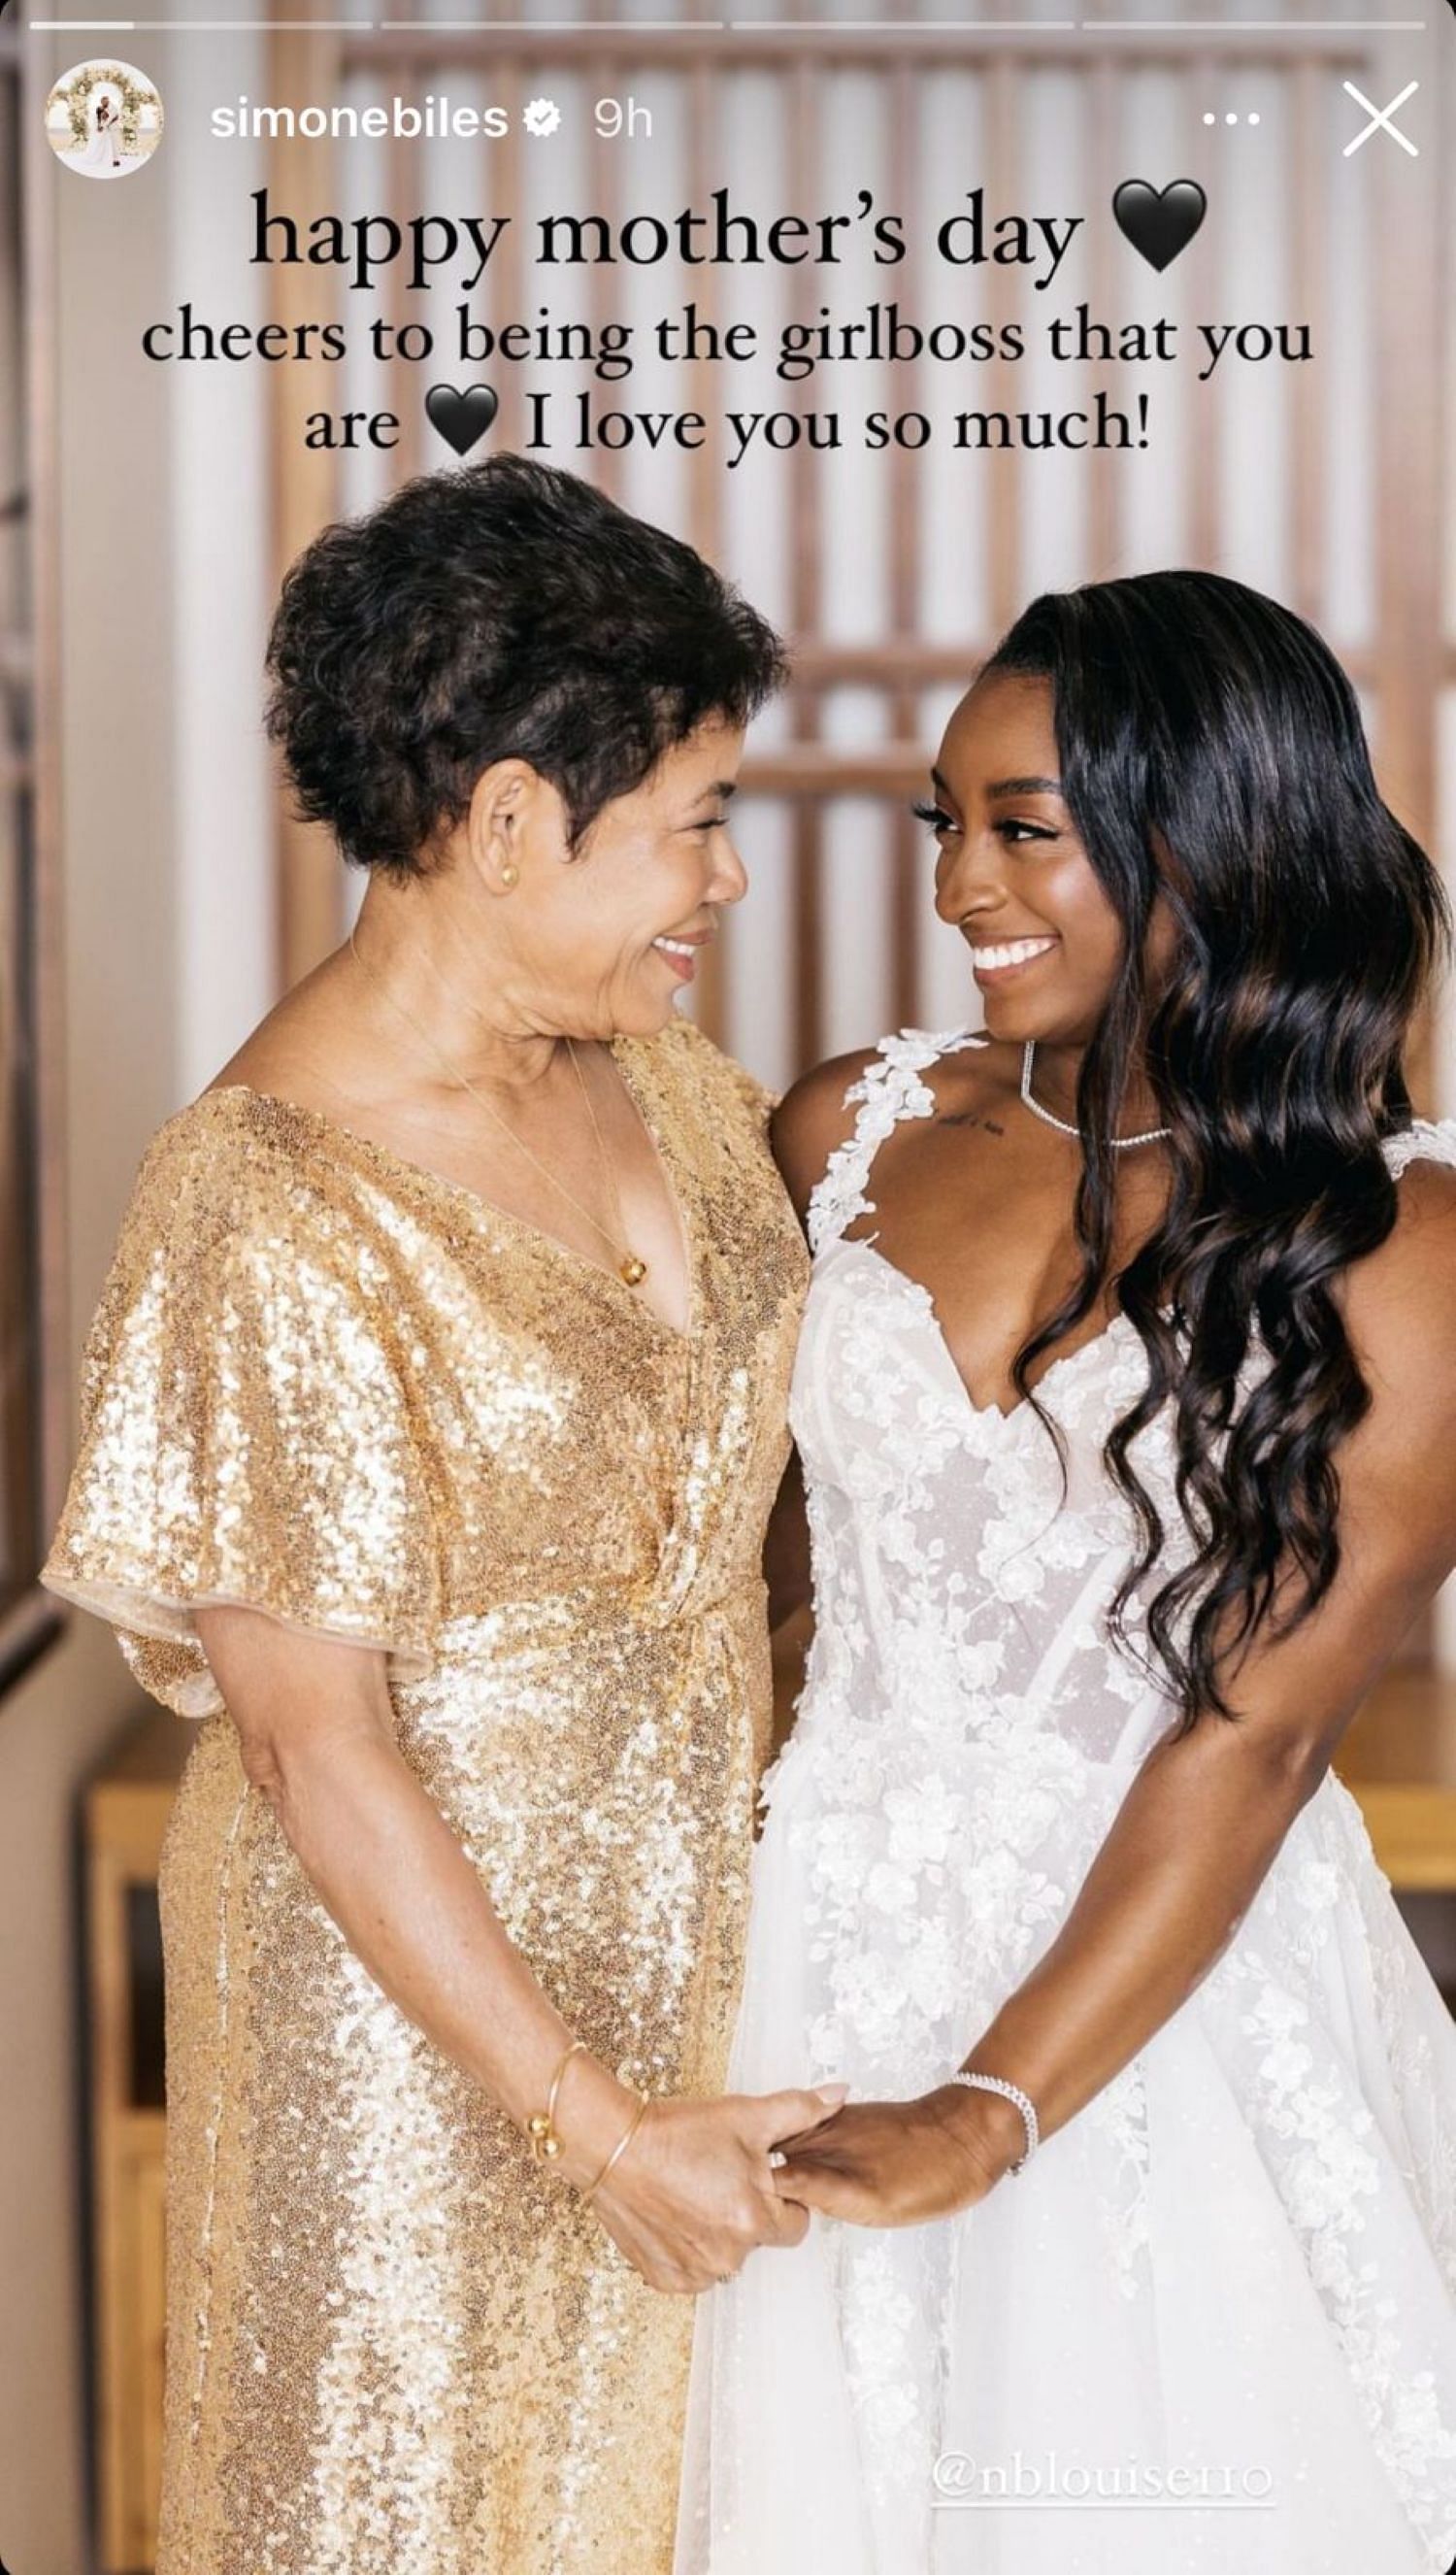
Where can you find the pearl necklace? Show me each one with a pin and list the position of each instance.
(1119, 1144)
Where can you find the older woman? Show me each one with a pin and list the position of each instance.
(433, 1412)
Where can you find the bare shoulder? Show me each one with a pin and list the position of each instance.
(297, 1051)
(267, 1062)
(814, 1116)
(1399, 1302)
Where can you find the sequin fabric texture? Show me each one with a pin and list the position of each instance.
(340, 1388)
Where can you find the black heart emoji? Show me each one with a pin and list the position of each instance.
(462, 419)
(1159, 222)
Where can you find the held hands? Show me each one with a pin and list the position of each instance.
(692, 2195)
(900, 2164)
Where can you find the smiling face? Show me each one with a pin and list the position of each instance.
(600, 940)
(1013, 874)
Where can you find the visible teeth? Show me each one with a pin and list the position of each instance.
(1011, 952)
(675, 947)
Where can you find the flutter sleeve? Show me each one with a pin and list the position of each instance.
(246, 1433)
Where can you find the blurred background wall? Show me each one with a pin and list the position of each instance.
(168, 908)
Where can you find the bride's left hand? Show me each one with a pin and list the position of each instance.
(900, 2163)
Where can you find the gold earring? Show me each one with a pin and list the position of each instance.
(509, 875)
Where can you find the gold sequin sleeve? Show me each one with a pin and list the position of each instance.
(246, 1436)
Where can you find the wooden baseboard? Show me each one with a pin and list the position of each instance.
(1405, 1732)
(1399, 1759)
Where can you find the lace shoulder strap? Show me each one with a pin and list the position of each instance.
(888, 1089)
(1426, 1139)
(891, 1088)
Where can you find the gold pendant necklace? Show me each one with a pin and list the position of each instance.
(630, 1267)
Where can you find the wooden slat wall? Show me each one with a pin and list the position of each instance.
(304, 480)
(37, 1421)
(808, 842)
(705, 509)
(1403, 663)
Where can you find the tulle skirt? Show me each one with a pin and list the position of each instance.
(1211, 2326)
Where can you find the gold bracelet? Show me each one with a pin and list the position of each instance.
(644, 2103)
(539, 2126)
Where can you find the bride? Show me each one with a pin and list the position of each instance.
(103, 152)
(1126, 1410)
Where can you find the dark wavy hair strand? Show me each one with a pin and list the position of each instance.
(1212, 750)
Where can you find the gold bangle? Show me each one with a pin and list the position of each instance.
(540, 2128)
(644, 2103)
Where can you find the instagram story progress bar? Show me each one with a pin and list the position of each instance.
(913, 34)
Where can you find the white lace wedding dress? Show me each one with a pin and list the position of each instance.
(1239, 2260)
(103, 154)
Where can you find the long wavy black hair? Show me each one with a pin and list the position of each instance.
(1212, 750)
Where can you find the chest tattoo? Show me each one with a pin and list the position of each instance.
(970, 1117)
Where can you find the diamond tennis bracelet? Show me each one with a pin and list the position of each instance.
(1013, 2092)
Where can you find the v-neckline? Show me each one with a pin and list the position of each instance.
(538, 1235)
(1117, 1324)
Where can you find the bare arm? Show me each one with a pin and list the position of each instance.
(1205, 1816)
(693, 2193)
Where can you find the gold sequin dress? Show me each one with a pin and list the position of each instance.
(327, 1384)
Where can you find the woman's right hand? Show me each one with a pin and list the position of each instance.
(694, 2193)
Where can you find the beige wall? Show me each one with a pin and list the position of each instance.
(120, 956)
(167, 928)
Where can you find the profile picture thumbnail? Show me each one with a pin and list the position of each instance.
(103, 119)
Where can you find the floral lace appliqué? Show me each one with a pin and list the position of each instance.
(966, 1734)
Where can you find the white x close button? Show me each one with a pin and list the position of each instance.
(1380, 119)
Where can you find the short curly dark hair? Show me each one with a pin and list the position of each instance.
(507, 610)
